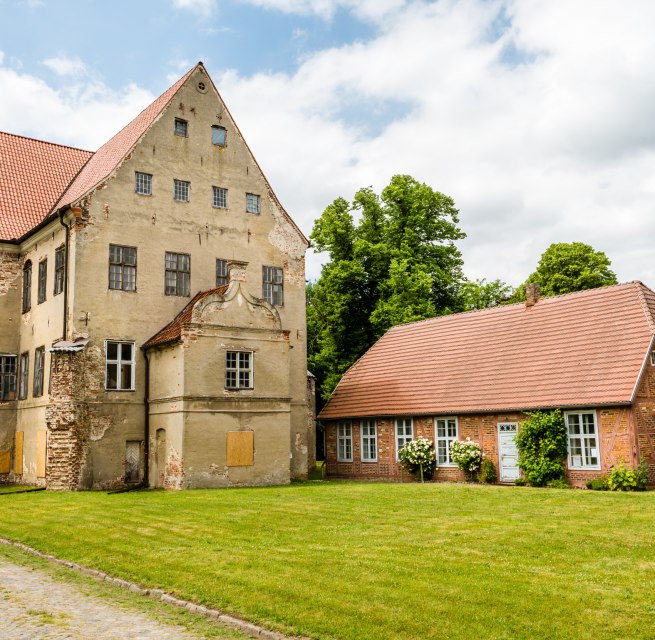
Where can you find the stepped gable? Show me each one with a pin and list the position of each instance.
(582, 349)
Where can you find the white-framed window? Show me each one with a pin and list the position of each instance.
(404, 433)
(445, 433)
(238, 370)
(253, 203)
(177, 276)
(219, 136)
(584, 452)
(122, 268)
(39, 367)
(222, 272)
(344, 442)
(7, 377)
(181, 127)
(219, 197)
(652, 358)
(273, 285)
(143, 183)
(181, 190)
(120, 366)
(369, 439)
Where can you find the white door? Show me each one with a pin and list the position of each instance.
(508, 452)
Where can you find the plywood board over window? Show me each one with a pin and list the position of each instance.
(41, 439)
(18, 454)
(5, 461)
(240, 449)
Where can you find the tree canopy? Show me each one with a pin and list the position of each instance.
(393, 259)
(567, 267)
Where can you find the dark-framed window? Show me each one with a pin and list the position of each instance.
(7, 377)
(181, 127)
(178, 274)
(60, 267)
(181, 190)
(39, 366)
(219, 136)
(119, 365)
(43, 279)
(273, 285)
(219, 197)
(27, 286)
(222, 272)
(24, 375)
(143, 183)
(238, 369)
(253, 203)
(122, 267)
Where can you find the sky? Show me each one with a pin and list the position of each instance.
(537, 118)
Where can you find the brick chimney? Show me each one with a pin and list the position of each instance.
(532, 291)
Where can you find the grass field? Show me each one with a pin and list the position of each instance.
(358, 561)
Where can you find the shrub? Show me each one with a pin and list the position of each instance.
(542, 444)
(416, 454)
(598, 484)
(520, 482)
(487, 473)
(467, 455)
(558, 484)
(622, 479)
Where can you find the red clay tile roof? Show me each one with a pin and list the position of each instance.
(33, 175)
(173, 330)
(577, 350)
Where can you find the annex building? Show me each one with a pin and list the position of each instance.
(152, 308)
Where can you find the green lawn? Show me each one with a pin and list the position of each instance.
(348, 560)
(16, 488)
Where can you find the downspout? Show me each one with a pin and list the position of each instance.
(146, 424)
(62, 211)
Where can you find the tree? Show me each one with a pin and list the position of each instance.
(567, 267)
(481, 294)
(397, 263)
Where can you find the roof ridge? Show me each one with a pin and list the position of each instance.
(54, 144)
(639, 288)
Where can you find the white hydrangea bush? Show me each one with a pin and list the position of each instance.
(466, 454)
(416, 454)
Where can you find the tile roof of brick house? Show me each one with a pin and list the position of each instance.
(582, 349)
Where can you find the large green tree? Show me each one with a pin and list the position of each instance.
(392, 259)
(567, 267)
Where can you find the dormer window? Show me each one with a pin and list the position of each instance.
(181, 127)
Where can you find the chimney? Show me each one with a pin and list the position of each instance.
(532, 291)
(237, 270)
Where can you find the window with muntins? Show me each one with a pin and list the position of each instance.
(369, 435)
(404, 433)
(273, 285)
(219, 136)
(178, 274)
(344, 442)
(445, 430)
(27, 286)
(119, 371)
(43, 278)
(122, 268)
(238, 369)
(253, 203)
(7, 377)
(222, 272)
(181, 190)
(60, 266)
(39, 366)
(24, 375)
(583, 440)
(143, 183)
(219, 197)
(181, 127)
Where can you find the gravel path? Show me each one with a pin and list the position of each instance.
(34, 606)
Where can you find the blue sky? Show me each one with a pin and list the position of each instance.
(536, 117)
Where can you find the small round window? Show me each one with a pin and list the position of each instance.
(202, 87)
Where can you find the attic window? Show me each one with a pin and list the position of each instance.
(181, 190)
(143, 183)
(219, 136)
(181, 127)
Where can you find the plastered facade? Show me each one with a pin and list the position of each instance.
(114, 214)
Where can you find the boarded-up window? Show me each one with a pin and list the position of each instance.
(133, 461)
(41, 439)
(5, 461)
(18, 454)
(240, 449)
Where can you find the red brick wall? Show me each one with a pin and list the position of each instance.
(644, 422)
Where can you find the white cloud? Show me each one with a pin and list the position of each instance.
(202, 8)
(63, 65)
(372, 10)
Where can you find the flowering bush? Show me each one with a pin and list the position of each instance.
(466, 454)
(416, 454)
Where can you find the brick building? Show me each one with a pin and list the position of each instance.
(152, 308)
(474, 375)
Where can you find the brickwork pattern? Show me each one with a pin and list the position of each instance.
(10, 271)
(644, 422)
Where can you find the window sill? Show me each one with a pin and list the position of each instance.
(596, 468)
(147, 195)
(370, 461)
(120, 390)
